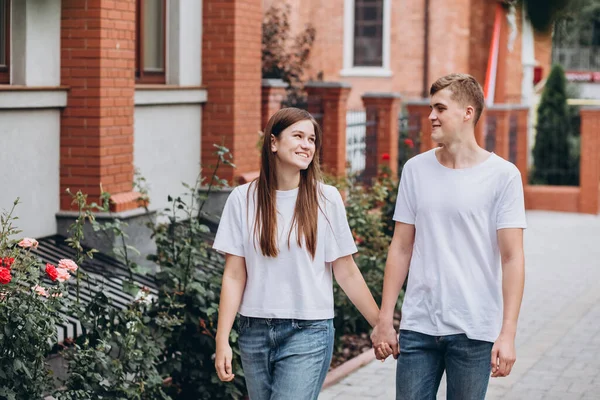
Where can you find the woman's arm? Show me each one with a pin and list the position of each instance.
(351, 281)
(232, 289)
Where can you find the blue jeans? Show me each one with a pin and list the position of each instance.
(424, 358)
(285, 358)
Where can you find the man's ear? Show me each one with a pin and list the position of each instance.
(273, 143)
(469, 113)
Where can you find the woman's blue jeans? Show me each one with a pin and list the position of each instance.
(285, 359)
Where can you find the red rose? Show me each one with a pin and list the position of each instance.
(5, 276)
(385, 156)
(7, 262)
(51, 271)
(409, 142)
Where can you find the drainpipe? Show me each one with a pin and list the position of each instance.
(426, 53)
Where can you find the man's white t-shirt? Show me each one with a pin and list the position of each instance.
(291, 285)
(455, 276)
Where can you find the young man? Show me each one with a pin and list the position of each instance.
(459, 227)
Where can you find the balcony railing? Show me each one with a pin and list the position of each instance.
(583, 58)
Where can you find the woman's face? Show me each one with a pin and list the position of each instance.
(295, 146)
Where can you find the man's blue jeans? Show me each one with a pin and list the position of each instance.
(424, 358)
(285, 359)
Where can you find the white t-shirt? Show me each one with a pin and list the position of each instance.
(291, 285)
(455, 276)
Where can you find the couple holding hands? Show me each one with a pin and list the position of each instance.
(458, 238)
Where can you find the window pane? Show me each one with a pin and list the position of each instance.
(154, 34)
(368, 33)
(3, 24)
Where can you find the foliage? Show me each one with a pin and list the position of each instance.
(367, 209)
(117, 353)
(189, 288)
(553, 162)
(29, 313)
(543, 13)
(283, 56)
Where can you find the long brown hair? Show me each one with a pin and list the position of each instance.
(307, 204)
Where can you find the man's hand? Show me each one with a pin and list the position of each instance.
(385, 341)
(223, 356)
(503, 355)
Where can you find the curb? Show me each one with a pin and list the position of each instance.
(345, 369)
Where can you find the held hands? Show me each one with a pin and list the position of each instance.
(503, 355)
(385, 341)
(223, 356)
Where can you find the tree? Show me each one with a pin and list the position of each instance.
(285, 57)
(543, 13)
(552, 154)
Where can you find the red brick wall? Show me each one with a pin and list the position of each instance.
(97, 64)
(552, 198)
(231, 61)
(460, 35)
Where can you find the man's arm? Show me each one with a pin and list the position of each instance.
(510, 242)
(396, 270)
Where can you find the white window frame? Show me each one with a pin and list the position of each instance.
(349, 69)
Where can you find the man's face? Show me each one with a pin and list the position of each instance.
(448, 117)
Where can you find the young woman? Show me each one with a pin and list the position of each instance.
(282, 235)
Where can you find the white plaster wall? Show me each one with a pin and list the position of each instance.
(167, 148)
(184, 47)
(29, 165)
(36, 42)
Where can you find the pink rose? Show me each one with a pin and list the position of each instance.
(40, 290)
(28, 242)
(62, 274)
(67, 264)
(5, 275)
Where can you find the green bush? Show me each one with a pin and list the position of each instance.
(554, 162)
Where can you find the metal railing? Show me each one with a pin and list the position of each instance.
(582, 58)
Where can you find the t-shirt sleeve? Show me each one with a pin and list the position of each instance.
(511, 206)
(405, 204)
(339, 241)
(229, 238)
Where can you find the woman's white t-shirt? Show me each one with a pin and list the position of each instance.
(291, 285)
(455, 277)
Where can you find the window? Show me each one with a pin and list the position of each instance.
(4, 41)
(368, 33)
(150, 41)
(367, 38)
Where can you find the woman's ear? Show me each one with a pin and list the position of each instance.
(273, 143)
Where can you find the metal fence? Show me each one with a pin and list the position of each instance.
(582, 58)
(360, 135)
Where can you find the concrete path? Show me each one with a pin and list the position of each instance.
(558, 342)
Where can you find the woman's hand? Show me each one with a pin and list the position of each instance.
(223, 356)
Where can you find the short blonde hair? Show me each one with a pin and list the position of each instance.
(465, 90)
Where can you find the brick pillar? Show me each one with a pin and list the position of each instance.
(502, 114)
(421, 110)
(522, 145)
(589, 199)
(231, 62)
(332, 105)
(387, 108)
(97, 64)
(273, 93)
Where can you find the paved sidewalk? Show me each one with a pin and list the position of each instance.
(558, 342)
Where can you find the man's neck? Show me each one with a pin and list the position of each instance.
(462, 153)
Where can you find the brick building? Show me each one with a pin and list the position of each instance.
(92, 89)
(403, 46)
